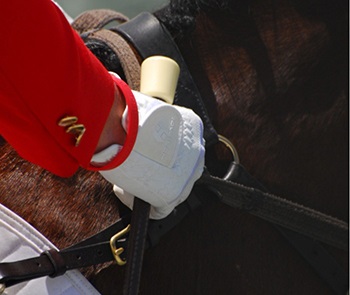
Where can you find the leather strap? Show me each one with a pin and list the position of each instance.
(93, 250)
(279, 211)
(97, 19)
(150, 37)
(54, 263)
(126, 56)
(90, 25)
(136, 246)
(313, 252)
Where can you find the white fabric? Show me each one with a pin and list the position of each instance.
(106, 155)
(19, 240)
(167, 159)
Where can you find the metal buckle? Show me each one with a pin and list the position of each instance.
(2, 288)
(230, 146)
(117, 251)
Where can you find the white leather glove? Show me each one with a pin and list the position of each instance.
(168, 157)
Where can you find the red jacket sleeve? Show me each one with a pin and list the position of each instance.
(47, 73)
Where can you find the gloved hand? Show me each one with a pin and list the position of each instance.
(168, 157)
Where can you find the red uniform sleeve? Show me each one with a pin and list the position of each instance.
(47, 73)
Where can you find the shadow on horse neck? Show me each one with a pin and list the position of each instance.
(273, 75)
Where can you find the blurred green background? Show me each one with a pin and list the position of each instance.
(128, 7)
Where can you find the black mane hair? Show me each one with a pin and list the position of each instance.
(179, 15)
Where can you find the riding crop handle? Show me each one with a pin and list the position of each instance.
(159, 76)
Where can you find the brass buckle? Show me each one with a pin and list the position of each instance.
(117, 251)
(2, 288)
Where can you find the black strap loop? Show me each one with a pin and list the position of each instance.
(57, 261)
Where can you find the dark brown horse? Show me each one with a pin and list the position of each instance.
(274, 75)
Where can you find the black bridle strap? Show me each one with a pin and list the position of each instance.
(276, 210)
(136, 246)
(324, 264)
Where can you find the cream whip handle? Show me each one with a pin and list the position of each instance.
(159, 76)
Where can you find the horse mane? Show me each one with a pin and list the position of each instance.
(179, 16)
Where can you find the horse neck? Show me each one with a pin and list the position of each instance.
(283, 103)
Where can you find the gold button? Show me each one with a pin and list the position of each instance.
(69, 123)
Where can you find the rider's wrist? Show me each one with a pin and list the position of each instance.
(112, 155)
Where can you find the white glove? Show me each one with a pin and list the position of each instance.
(168, 157)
